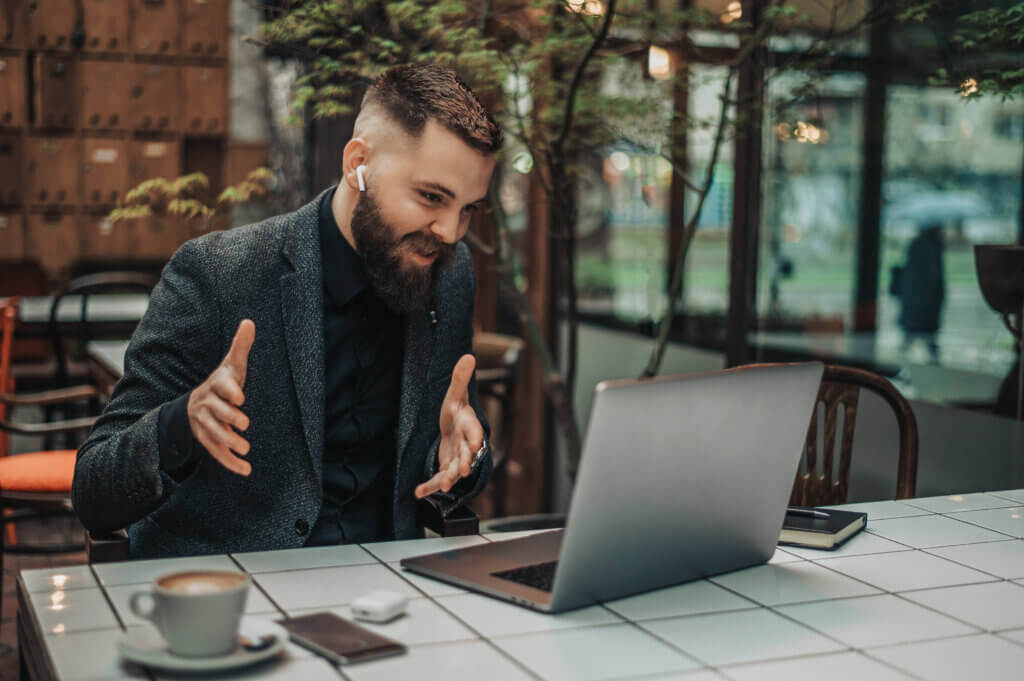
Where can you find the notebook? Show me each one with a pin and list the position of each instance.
(820, 528)
(681, 477)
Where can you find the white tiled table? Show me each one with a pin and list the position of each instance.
(934, 590)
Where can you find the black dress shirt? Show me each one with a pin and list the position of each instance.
(363, 349)
(362, 384)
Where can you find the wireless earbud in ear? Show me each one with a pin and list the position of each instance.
(359, 177)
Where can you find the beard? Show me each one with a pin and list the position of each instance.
(402, 286)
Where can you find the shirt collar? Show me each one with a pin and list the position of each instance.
(344, 277)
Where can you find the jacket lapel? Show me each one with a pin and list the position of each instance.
(302, 313)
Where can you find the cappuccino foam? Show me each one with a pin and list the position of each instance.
(201, 582)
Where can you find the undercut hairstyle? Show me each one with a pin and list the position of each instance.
(412, 94)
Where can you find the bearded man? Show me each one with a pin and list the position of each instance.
(304, 380)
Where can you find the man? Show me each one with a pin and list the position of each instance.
(305, 379)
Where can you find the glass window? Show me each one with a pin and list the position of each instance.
(810, 201)
(952, 180)
(706, 282)
(623, 202)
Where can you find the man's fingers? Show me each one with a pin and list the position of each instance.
(472, 439)
(237, 358)
(458, 391)
(465, 459)
(429, 487)
(441, 482)
(225, 437)
(223, 455)
(225, 413)
(224, 386)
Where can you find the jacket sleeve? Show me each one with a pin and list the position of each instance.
(119, 477)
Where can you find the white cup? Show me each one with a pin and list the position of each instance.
(197, 612)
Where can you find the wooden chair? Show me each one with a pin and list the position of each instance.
(69, 338)
(497, 374)
(32, 363)
(33, 483)
(83, 287)
(839, 393)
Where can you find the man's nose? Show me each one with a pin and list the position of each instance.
(446, 227)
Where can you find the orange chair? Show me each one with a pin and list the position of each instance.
(34, 483)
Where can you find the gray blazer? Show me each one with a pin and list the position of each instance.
(269, 272)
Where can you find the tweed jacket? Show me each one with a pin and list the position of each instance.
(270, 272)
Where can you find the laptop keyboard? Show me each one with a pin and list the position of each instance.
(540, 576)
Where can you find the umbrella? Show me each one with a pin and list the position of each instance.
(935, 207)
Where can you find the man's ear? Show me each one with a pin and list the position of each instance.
(356, 153)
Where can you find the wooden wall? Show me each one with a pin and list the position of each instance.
(96, 96)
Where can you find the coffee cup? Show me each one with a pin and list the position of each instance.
(197, 612)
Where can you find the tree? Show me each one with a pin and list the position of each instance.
(543, 67)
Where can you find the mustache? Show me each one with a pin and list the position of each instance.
(428, 245)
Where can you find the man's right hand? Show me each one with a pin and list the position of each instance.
(213, 407)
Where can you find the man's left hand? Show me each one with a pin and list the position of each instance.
(461, 433)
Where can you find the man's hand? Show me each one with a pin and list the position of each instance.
(213, 407)
(461, 432)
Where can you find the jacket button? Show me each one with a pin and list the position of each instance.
(301, 527)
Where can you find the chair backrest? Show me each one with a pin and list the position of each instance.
(824, 476)
(497, 374)
(8, 316)
(84, 286)
(23, 278)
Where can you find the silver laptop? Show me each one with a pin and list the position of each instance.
(681, 477)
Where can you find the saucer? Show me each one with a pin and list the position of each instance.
(145, 646)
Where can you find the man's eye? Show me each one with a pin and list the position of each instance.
(471, 209)
(431, 196)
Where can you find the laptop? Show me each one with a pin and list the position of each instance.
(681, 477)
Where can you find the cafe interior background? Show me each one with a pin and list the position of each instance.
(853, 136)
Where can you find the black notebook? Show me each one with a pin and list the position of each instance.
(820, 528)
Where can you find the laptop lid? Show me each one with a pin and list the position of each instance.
(683, 477)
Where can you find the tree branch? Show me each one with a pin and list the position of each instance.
(577, 78)
(658, 351)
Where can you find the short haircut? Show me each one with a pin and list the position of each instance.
(412, 94)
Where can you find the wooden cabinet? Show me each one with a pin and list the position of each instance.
(106, 25)
(100, 238)
(54, 82)
(11, 170)
(205, 108)
(155, 27)
(204, 28)
(52, 170)
(243, 158)
(106, 88)
(52, 240)
(50, 24)
(12, 23)
(13, 112)
(12, 236)
(156, 98)
(150, 159)
(104, 171)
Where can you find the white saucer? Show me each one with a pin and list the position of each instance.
(145, 646)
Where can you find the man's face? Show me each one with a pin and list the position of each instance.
(417, 205)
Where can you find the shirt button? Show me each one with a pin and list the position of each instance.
(301, 527)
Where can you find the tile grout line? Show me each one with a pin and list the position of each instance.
(282, 613)
(970, 524)
(255, 583)
(466, 624)
(150, 674)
